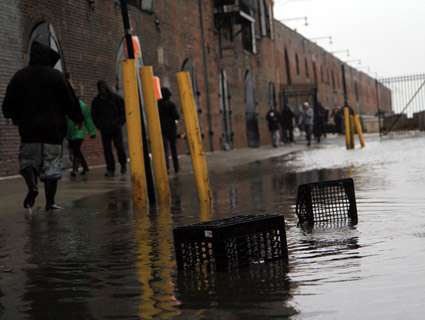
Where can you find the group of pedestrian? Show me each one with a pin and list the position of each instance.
(285, 120)
(40, 100)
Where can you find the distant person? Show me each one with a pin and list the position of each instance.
(168, 116)
(287, 123)
(108, 113)
(38, 99)
(75, 137)
(273, 119)
(307, 120)
(337, 116)
(320, 120)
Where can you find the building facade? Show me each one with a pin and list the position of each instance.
(241, 61)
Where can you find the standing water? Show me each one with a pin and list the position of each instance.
(101, 260)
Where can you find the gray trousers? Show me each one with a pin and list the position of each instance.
(45, 158)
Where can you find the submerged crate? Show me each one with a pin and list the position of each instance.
(327, 201)
(231, 242)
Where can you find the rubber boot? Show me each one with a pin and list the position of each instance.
(30, 177)
(50, 187)
(75, 165)
(84, 165)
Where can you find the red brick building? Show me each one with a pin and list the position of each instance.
(240, 59)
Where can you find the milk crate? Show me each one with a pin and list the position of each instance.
(231, 242)
(327, 201)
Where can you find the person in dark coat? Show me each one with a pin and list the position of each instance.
(287, 122)
(38, 99)
(273, 118)
(108, 114)
(168, 116)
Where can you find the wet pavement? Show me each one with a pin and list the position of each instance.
(99, 259)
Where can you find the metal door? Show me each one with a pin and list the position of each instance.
(251, 114)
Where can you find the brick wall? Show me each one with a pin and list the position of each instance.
(176, 32)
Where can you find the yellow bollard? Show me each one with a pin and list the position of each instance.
(155, 135)
(194, 137)
(359, 130)
(352, 143)
(134, 132)
(347, 128)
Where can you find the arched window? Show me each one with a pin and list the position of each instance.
(272, 94)
(297, 64)
(307, 74)
(189, 66)
(45, 34)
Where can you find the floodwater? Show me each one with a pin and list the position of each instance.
(102, 260)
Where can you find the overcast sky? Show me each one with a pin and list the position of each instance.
(386, 35)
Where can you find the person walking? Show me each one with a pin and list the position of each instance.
(108, 114)
(307, 120)
(168, 116)
(287, 123)
(75, 137)
(273, 119)
(38, 99)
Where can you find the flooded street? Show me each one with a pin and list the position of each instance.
(98, 259)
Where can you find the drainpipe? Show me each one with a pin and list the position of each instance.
(205, 70)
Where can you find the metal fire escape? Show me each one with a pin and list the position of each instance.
(230, 14)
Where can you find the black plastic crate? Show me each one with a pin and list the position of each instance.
(327, 201)
(231, 242)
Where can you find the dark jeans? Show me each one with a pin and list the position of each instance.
(107, 140)
(308, 131)
(287, 132)
(172, 142)
(77, 155)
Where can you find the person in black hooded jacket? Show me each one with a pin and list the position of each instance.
(108, 113)
(38, 99)
(168, 116)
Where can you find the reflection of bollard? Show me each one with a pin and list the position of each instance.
(359, 130)
(194, 137)
(352, 142)
(155, 135)
(135, 144)
(347, 128)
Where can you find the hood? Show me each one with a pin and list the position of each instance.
(166, 93)
(42, 54)
(103, 84)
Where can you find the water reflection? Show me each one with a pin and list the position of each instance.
(241, 293)
(99, 259)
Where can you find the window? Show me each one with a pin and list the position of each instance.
(147, 5)
(297, 64)
(262, 12)
(266, 23)
(142, 4)
(307, 74)
(272, 94)
(45, 34)
(288, 71)
(248, 38)
(333, 80)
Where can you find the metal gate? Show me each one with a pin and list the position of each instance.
(295, 95)
(408, 104)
